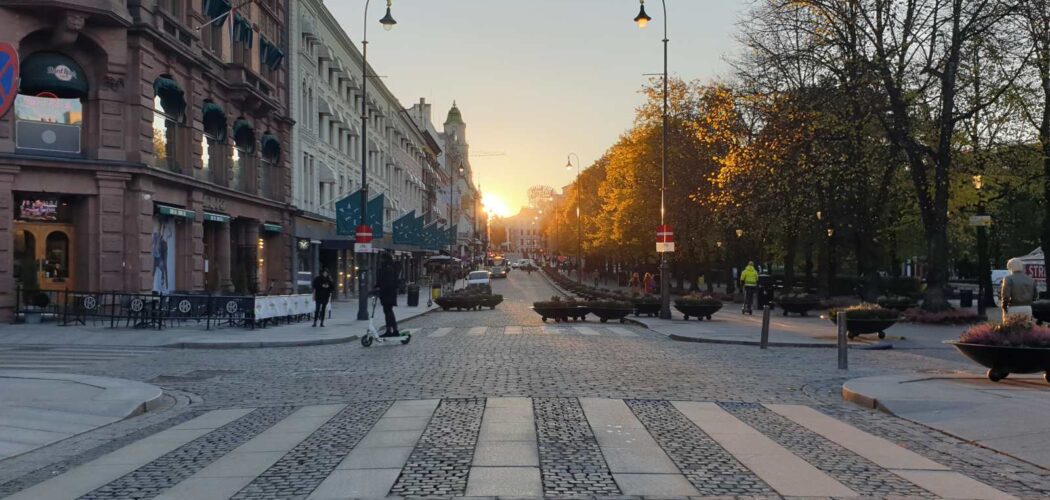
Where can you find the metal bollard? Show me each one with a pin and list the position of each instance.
(843, 346)
(764, 343)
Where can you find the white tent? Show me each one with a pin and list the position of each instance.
(1034, 265)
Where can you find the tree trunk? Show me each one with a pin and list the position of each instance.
(789, 260)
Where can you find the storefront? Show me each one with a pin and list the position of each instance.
(45, 241)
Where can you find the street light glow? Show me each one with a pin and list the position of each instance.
(642, 18)
(388, 21)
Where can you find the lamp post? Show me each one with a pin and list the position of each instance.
(665, 282)
(451, 204)
(984, 278)
(388, 23)
(579, 223)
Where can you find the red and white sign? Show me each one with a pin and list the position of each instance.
(8, 76)
(363, 239)
(664, 238)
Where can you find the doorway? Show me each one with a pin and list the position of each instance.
(44, 249)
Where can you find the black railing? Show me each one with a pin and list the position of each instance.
(137, 310)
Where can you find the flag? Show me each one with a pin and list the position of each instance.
(416, 233)
(348, 214)
(403, 229)
(450, 236)
(376, 207)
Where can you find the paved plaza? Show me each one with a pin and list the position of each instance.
(495, 403)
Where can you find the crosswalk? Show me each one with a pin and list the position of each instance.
(483, 331)
(57, 358)
(514, 446)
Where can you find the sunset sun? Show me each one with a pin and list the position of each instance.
(495, 205)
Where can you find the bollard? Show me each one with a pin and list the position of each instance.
(764, 343)
(843, 359)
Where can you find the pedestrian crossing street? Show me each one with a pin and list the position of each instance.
(55, 358)
(520, 447)
(566, 329)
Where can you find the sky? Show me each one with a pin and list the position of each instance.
(538, 79)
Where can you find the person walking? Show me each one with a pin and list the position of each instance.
(386, 286)
(323, 287)
(596, 275)
(749, 280)
(1017, 291)
(648, 283)
(635, 284)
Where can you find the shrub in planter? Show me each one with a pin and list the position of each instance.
(559, 309)
(897, 302)
(609, 309)
(1041, 311)
(699, 306)
(1016, 345)
(866, 318)
(798, 301)
(947, 317)
(648, 305)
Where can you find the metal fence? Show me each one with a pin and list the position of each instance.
(152, 311)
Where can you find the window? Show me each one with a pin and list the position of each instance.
(165, 137)
(172, 7)
(49, 107)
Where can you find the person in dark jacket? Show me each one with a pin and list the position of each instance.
(323, 286)
(386, 285)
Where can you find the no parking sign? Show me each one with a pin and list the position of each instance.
(8, 76)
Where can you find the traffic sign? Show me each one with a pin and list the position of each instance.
(363, 239)
(8, 76)
(664, 238)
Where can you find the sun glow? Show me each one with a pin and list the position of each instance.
(495, 205)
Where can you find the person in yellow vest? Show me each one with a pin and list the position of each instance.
(749, 281)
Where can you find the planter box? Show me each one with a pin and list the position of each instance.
(697, 311)
(491, 301)
(856, 327)
(459, 303)
(1041, 316)
(646, 309)
(1001, 361)
(800, 308)
(561, 313)
(605, 314)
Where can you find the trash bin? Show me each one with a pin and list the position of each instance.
(966, 298)
(435, 291)
(765, 291)
(413, 295)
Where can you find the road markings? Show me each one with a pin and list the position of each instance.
(513, 330)
(619, 330)
(586, 330)
(477, 330)
(440, 332)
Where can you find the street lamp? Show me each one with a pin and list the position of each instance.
(388, 23)
(579, 223)
(642, 19)
(984, 278)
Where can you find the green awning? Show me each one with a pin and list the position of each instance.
(175, 212)
(214, 119)
(221, 219)
(217, 8)
(271, 147)
(244, 133)
(271, 228)
(55, 73)
(242, 30)
(270, 55)
(172, 97)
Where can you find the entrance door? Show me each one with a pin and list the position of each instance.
(49, 248)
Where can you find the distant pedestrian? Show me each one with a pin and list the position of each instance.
(649, 283)
(323, 287)
(636, 284)
(596, 275)
(1018, 290)
(749, 280)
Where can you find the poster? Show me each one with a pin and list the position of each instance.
(163, 255)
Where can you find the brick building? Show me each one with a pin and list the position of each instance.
(146, 149)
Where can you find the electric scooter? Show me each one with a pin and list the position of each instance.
(372, 335)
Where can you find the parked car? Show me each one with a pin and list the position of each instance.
(498, 272)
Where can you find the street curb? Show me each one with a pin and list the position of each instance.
(258, 344)
(154, 400)
(708, 340)
(863, 400)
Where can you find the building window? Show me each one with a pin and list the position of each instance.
(173, 7)
(169, 110)
(49, 107)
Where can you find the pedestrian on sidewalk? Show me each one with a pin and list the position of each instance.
(386, 286)
(596, 275)
(323, 287)
(649, 283)
(749, 280)
(635, 284)
(1018, 290)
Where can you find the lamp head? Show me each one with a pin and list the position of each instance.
(831, 232)
(388, 21)
(568, 164)
(978, 181)
(739, 233)
(642, 18)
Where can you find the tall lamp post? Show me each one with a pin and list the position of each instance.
(984, 273)
(579, 223)
(388, 23)
(665, 276)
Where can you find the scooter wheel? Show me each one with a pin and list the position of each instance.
(407, 339)
(366, 340)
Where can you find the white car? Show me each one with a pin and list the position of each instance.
(479, 278)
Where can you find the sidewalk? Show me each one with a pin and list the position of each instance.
(342, 326)
(44, 408)
(1007, 416)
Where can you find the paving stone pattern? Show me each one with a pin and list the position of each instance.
(299, 472)
(440, 462)
(856, 472)
(709, 467)
(571, 463)
(167, 471)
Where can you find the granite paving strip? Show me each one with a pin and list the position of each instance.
(227, 475)
(440, 332)
(586, 330)
(619, 330)
(162, 473)
(440, 463)
(502, 466)
(783, 471)
(375, 463)
(571, 462)
(709, 467)
(112, 465)
(300, 471)
(856, 472)
(477, 330)
(512, 330)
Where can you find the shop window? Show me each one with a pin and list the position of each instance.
(56, 253)
(49, 107)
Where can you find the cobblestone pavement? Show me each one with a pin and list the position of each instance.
(462, 358)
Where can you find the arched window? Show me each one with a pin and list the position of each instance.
(169, 114)
(49, 107)
(242, 163)
(213, 141)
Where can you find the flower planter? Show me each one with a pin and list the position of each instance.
(798, 307)
(647, 308)
(1041, 316)
(698, 311)
(1001, 361)
(605, 314)
(856, 327)
(491, 301)
(560, 313)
